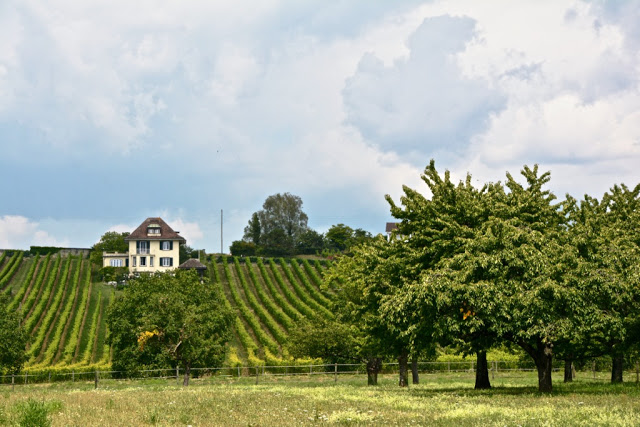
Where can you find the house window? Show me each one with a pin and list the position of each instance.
(166, 262)
(153, 229)
(143, 247)
(116, 263)
(166, 245)
(150, 261)
(134, 260)
(143, 261)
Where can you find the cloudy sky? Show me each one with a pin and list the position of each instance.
(114, 111)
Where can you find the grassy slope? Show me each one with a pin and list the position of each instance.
(441, 401)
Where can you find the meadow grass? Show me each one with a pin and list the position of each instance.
(445, 399)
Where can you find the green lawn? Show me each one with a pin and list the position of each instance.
(288, 401)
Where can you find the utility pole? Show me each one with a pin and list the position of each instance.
(221, 245)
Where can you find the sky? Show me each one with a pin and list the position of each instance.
(115, 111)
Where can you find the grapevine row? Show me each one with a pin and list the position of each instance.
(37, 311)
(52, 344)
(275, 311)
(25, 284)
(72, 341)
(52, 311)
(315, 293)
(258, 309)
(245, 339)
(8, 265)
(297, 303)
(248, 316)
(91, 335)
(283, 303)
(9, 274)
(301, 293)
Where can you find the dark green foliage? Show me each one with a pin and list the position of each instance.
(44, 250)
(113, 274)
(13, 339)
(168, 320)
(242, 248)
(331, 341)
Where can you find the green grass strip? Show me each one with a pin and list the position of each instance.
(95, 319)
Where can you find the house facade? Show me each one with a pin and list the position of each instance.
(153, 247)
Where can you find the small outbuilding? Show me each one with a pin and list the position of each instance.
(194, 264)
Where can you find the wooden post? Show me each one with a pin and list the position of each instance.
(472, 370)
(13, 382)
(637, 372)
(449, 366)
(238, 371)
(257, 373)
(49, 376)
(178, 375)
(96, 386)
(310, 369)
(335, 372)
(25, 377)
(594, 369)
(493, 371)
(73, 375)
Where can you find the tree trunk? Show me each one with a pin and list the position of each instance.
(187, 371)
(544, 364)
(414, 371)
(482, 371)
(617, 368)
(374, 364)
(403, 363)
(568, 370)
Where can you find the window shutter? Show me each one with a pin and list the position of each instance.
(170, 262)
(171, 245)
(137, 245)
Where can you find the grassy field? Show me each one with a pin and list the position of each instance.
(287, 401)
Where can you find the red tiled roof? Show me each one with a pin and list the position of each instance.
(192, 263)
(166, 232)
(391, 226)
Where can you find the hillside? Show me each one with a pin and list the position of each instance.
(64, 311)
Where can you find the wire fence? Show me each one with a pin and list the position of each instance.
(497, 369)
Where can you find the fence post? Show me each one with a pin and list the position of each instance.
(472, 369)
(449, 366)
(96, 386)
(238, 371)
(257, 374)
(73, 375)
(49, 376)
(25, 377)
(335, 372)
(594, 369)
(13, 382)
(310, 369)
(637, 372)
(493, 370)
(178, 375)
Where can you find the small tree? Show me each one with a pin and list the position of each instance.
(167, 320)
(13, 339)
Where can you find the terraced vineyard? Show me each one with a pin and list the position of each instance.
(65, 313)
(62, 310)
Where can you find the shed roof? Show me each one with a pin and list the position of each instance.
(391, 226)
(192, 264)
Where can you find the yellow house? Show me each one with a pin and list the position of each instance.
(153, 247)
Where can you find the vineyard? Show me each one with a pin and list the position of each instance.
(64, 312)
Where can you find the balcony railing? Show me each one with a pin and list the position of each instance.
(143, 251)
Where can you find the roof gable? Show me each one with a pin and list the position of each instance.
(166, 232)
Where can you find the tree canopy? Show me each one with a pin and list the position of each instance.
(168, 320)
(13, 339)
(111, 241)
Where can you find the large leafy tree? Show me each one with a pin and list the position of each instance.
(434, 303)
(13, 339)
(278, 226)
(168, 320)
(607, 237)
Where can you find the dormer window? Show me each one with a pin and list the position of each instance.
(153, 230)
